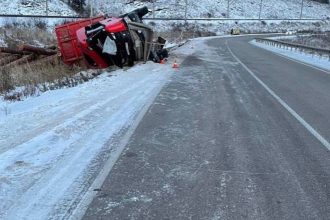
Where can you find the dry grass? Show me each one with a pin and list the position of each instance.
(41, 74)
(45, 74)
(41, 71)
(6, 83)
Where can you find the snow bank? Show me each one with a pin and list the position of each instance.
(51, 146)
(224, 27)
(322, 62)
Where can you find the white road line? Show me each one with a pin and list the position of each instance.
(292, 59)
(286, 106)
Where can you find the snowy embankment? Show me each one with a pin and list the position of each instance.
(310, 59)
(35, 7)
(271, 9)
(249, 27)
(239, 9)
(53, 146)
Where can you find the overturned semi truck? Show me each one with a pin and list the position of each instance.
(105, 41)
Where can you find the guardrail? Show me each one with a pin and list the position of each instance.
(234, 19)
(169, 19)
(40, 16)
(300, 47)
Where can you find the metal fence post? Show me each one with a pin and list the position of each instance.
(186, 10)
(46, 7)
(153, 9)
(91, 5)
(260, 11)
(302, 6)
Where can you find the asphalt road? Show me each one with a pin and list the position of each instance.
(216, 144)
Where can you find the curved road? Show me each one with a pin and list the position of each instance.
(238, 133)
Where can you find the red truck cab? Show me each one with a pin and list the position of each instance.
(67, 39)
(102, 41)
(92, 52)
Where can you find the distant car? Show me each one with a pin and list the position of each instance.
(290, 32)
(235, 31)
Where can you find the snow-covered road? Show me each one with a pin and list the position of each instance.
(53, 146)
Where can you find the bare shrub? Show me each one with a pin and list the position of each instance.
(6, 83)
(152, 23)
(40, 24)
(47, 70)
(38, 76)
(43, 74)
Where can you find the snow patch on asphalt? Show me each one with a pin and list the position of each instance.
(318, 61)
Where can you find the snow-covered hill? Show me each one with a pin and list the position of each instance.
(271, 9)
(35, 7)
(274, 9)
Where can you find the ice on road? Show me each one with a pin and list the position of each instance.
(53, 146)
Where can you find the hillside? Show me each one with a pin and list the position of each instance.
(273, 9)
(35, 7)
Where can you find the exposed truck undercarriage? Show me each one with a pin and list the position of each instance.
(105, 41)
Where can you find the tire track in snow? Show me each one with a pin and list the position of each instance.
(46, 122)
(19, 151)
(43, 194)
